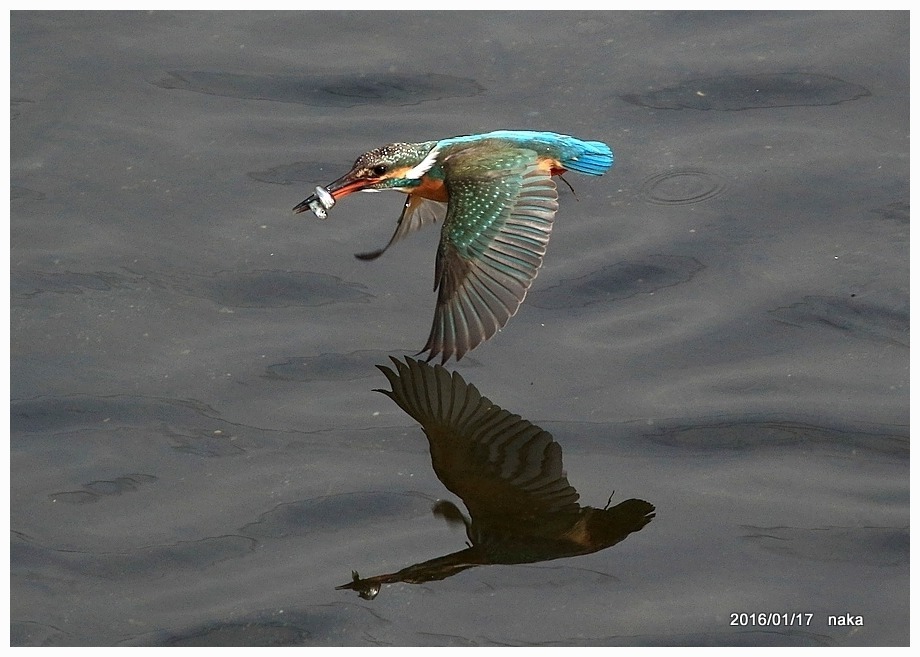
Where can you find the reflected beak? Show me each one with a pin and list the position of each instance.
(325, 197)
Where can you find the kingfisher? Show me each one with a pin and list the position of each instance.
(495, 194)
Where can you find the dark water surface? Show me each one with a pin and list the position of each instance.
(720, 332)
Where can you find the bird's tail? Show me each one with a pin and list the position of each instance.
(591, 157)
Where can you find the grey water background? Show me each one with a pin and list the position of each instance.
(721, 326)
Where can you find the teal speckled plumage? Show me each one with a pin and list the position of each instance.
(496, 195)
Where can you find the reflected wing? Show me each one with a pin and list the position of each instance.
(499, 217)
(417, 213)
(498, 463)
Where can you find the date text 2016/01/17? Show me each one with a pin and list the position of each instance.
(771, 619)
(790, 619)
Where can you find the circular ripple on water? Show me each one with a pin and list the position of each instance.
(682, 187)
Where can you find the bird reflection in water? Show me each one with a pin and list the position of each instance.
(507, 471)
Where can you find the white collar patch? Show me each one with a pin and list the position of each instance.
(422, 167)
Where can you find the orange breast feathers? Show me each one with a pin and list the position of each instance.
(431, 189)
(435, 190)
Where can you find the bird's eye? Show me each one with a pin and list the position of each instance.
(380, 169)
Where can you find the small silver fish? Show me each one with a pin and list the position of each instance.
(318, 203)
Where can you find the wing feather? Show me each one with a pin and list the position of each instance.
(494, 237)
(497, 462)
(417, 213)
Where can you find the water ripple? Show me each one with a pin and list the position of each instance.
(856, 317)
(328, 367)
(732, 93)
(324, 90)
(618, 281)
(266, 288)
(682, 187)
(96, 490)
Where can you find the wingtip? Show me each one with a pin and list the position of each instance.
(434, 352)
(370, 255)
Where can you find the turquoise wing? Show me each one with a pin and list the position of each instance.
(499, 217)
(589, 157)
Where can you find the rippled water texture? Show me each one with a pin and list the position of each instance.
(700, 410)
(732, 93)
(325, 90)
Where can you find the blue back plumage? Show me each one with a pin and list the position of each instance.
(591, 157)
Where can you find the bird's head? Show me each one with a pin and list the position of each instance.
(394, 166)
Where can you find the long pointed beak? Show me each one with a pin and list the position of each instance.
(325, 197)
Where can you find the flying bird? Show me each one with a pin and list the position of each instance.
(497, 199)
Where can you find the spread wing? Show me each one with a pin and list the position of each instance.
(417, 213)
(498, 463)
(499, 217)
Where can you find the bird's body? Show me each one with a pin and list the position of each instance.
(497, 198)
